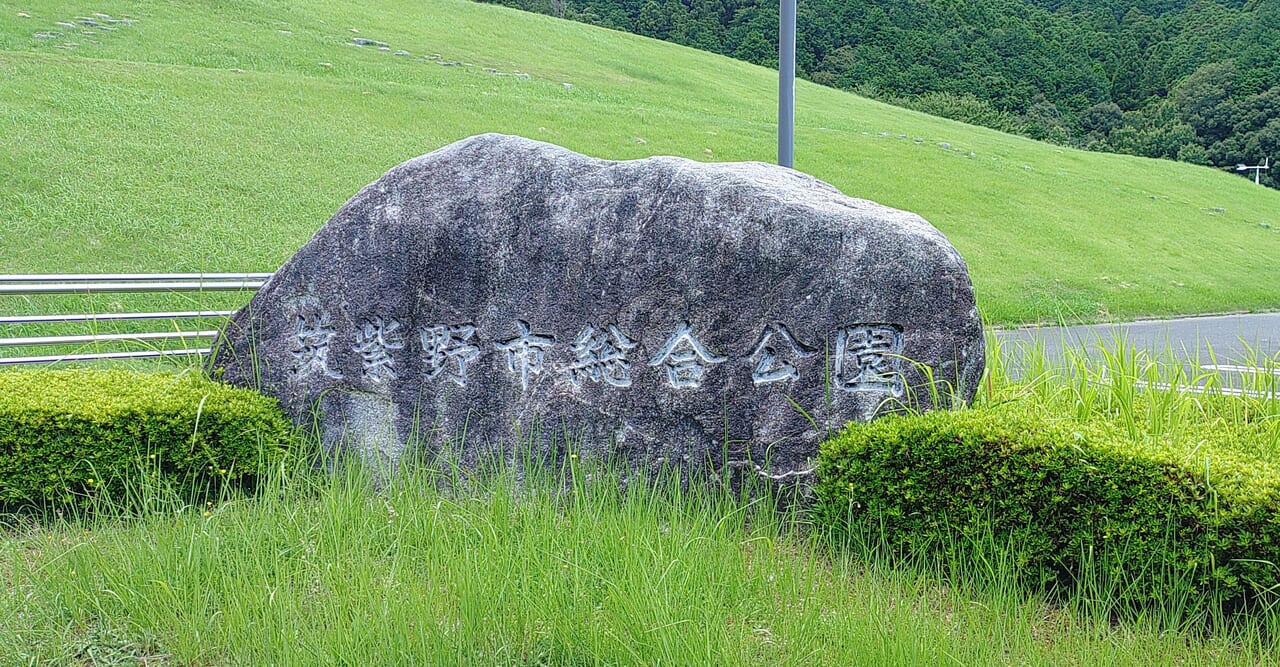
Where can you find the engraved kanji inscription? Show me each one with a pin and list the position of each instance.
(443, 343)
(311, 335)
(601, 356)
(686, 358)
(775, 353)
(375, 341)
(525, 352)
(869, 358)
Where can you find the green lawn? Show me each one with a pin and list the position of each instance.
(218, 136)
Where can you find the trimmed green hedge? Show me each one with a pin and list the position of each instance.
(67, 435)
(1155, 519)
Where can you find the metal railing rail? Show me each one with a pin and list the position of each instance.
(129, 277)
(104, 338)
(120, 283)
(117, 288)
(110, 317)
(98, 356)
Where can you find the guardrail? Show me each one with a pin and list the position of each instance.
(124, 283)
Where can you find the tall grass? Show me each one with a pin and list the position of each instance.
(1150, 394)
(319, 568)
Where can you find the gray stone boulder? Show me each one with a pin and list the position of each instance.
(507, 296)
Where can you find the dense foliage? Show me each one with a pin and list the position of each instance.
(1152, 520)
(69, 435)
(1192, 80)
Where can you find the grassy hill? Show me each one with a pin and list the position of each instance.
(218, 136)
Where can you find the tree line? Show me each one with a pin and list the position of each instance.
(1190, 80)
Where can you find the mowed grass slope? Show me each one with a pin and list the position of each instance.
(218, 136)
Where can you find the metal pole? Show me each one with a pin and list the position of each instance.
(787, 83)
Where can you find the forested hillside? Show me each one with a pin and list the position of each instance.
(1191, 80)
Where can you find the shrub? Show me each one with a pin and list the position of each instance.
(68, 435)
(965, 108)
(1155, 520)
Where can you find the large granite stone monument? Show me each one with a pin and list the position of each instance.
(501, 293)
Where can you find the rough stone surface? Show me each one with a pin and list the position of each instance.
(500, 293)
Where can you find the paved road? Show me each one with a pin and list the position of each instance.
(1229, 336)
(1233, 343)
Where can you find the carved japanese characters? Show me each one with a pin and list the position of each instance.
(502, 295)
(444, 345)
(867, 357)
(601, 356)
